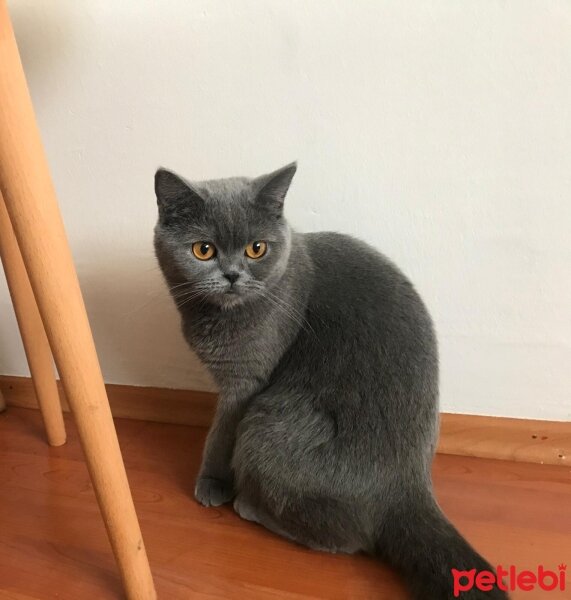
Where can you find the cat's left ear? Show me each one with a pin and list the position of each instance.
(272, 188)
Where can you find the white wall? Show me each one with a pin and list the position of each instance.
(438, 131)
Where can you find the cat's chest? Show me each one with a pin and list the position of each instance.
(234, 352)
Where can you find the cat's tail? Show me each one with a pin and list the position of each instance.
(436, 562)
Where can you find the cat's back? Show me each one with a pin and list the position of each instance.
(366, 314)
(353, 277)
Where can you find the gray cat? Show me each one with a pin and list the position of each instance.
(327, 366)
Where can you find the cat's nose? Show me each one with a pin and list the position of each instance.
(232, 276)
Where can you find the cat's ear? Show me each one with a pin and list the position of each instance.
(272, 188)
(170, 187)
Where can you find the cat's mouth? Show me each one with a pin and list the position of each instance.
(232, 295)
(235, 295)
(230, 299)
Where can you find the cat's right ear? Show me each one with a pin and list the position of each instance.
(170, 187)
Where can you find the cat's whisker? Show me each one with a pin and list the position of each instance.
(203, 291)
(301, 319)
(287, 310)
(179, 285)
(153, 298)
(184, 294)
(189, 299)
(188, 294)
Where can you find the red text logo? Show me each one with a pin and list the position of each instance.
(509, 579)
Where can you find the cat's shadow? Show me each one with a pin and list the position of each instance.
(137, 333)
(135, 324)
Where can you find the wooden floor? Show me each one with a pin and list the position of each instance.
(53, 543)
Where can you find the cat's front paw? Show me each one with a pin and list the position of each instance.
(213, 492)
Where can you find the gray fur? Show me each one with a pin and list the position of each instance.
(326, 360)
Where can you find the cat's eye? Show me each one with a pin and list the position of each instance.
(203, 250)
(256, 249)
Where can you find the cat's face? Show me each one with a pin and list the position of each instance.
(225, 241)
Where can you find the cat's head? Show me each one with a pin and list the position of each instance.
(223, 241)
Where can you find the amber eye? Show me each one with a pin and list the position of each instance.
(256, 249)
(203, 250)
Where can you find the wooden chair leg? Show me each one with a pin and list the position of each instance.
(32, 331)
(30, 199)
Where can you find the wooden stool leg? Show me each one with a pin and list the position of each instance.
(30, 199)
(32, 331)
